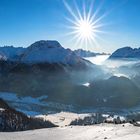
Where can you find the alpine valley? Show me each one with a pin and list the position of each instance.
(45, 77)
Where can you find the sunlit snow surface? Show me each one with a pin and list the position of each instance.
(63, 118)
(95, 132)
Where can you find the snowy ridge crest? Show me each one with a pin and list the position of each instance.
(51, 52)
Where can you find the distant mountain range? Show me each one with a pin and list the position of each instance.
(10, 53)
(44, 51)
(40, 52)
(84, 53)
(50, 53)
(126, 52)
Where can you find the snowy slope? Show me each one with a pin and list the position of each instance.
(50, 52)
(3, 57)
(96, 132)
(10, 52)
(126, 52)
(63, 118)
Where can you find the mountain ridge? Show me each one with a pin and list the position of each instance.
(126, 52)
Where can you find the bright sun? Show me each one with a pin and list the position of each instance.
(85, 27)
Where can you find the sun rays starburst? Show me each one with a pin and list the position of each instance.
(84, 26)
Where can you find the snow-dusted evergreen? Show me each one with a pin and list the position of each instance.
(12, 120)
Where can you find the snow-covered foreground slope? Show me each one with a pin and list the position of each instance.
(96, 132)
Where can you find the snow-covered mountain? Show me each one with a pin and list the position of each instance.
(42, 52)
(84, 53)
(126, 52)
(10, 53)
(48, 55)
(50, 52)
(46, 68)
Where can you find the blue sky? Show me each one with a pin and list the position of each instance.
(24, 21)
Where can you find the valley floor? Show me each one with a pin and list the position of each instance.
(95, 132)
